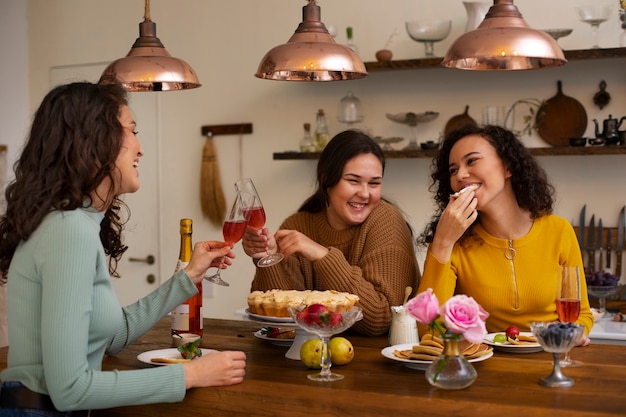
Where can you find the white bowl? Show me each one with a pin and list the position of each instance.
(597, 314)
(184, 339)
(433, 30)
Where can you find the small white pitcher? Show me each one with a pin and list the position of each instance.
(476, 12)
(403, 327)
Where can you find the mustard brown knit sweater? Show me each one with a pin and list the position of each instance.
(374, 260)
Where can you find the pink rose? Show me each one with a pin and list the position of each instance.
(423, 307)
(462, 314)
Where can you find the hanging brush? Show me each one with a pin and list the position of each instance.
(212, 198)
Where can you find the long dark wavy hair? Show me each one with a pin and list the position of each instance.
(343, 147)
(531, 187)
(73, 144)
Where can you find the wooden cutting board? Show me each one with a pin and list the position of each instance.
(560, 118)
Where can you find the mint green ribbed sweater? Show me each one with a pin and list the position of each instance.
(64, 316)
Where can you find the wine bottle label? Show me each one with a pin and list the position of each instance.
(180, 318)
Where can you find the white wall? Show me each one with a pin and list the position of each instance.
(14, 99)
(224, 42)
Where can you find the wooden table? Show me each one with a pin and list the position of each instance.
(507, 384)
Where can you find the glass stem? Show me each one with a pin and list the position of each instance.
(594, 32)
(602, 302)
(325, 362)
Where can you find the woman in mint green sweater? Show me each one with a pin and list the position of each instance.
(60, 241)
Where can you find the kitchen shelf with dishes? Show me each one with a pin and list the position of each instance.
(435, 62)
(429, 153)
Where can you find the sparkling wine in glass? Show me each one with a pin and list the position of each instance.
(233, 230)
(568, 303)
(255, 216)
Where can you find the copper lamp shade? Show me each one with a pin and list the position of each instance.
(311, 54)
(148, 66)
(504, 41)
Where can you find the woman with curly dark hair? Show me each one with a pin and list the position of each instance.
(61, 224)
(494, 236)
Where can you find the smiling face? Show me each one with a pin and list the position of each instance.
(473, 161)
(128, 157)
(357, 193)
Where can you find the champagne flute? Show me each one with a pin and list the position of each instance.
(568, 303)
(255, 215)
(233, 230)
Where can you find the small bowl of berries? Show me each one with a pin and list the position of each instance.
(602, 285)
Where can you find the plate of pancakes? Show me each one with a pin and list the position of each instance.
(420, 356)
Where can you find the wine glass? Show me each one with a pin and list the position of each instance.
(255, 215)
(325, 322)
(428, 32)
(594, 15)
(233, 230)
(568, 303)
(556, 338)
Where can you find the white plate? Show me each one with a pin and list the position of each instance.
(273, 340)
(416, 363)
(172, 353)
(271, 319)
(508, 347)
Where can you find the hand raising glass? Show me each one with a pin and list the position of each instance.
(233, 230)
(255, 215)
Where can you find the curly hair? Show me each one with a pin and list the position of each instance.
(72, 147)
(343, 147)
(529, 180)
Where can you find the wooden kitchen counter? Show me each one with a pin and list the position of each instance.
(507, 384)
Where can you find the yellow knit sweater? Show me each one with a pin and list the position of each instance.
(513, 292)
(374, 260)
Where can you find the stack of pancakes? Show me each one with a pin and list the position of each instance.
(431, 347)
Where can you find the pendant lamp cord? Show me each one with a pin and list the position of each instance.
(146, 14)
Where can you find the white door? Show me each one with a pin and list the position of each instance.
(141, 233)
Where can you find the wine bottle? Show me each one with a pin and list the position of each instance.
(187, 317)
(322, 135)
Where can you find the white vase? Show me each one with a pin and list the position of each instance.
(476, 11)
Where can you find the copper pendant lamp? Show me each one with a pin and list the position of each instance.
(504, 41)
(148, 66)
(311, 54)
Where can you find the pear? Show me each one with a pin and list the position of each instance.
(341, 351)
(311, 353)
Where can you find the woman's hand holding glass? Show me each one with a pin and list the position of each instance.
(208, 254)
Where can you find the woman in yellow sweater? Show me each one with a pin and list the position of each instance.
(498, 241)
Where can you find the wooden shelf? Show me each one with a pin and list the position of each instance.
(549, 151)
(422, 63)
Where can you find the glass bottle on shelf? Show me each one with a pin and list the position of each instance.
(322, 135)
(350, 44)
(307, 144)
(622, 18)
(187, 317)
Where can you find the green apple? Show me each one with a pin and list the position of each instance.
(311, 353)
(341, 351)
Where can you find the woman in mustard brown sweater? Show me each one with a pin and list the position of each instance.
(344, 237)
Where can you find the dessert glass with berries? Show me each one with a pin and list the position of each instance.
(556, 338)
(602, 284)
(325, 322)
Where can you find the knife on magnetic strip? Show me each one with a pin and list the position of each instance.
(591, 243)
(609, 248)
(581, 228)
(599, 245)
(619, 246)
